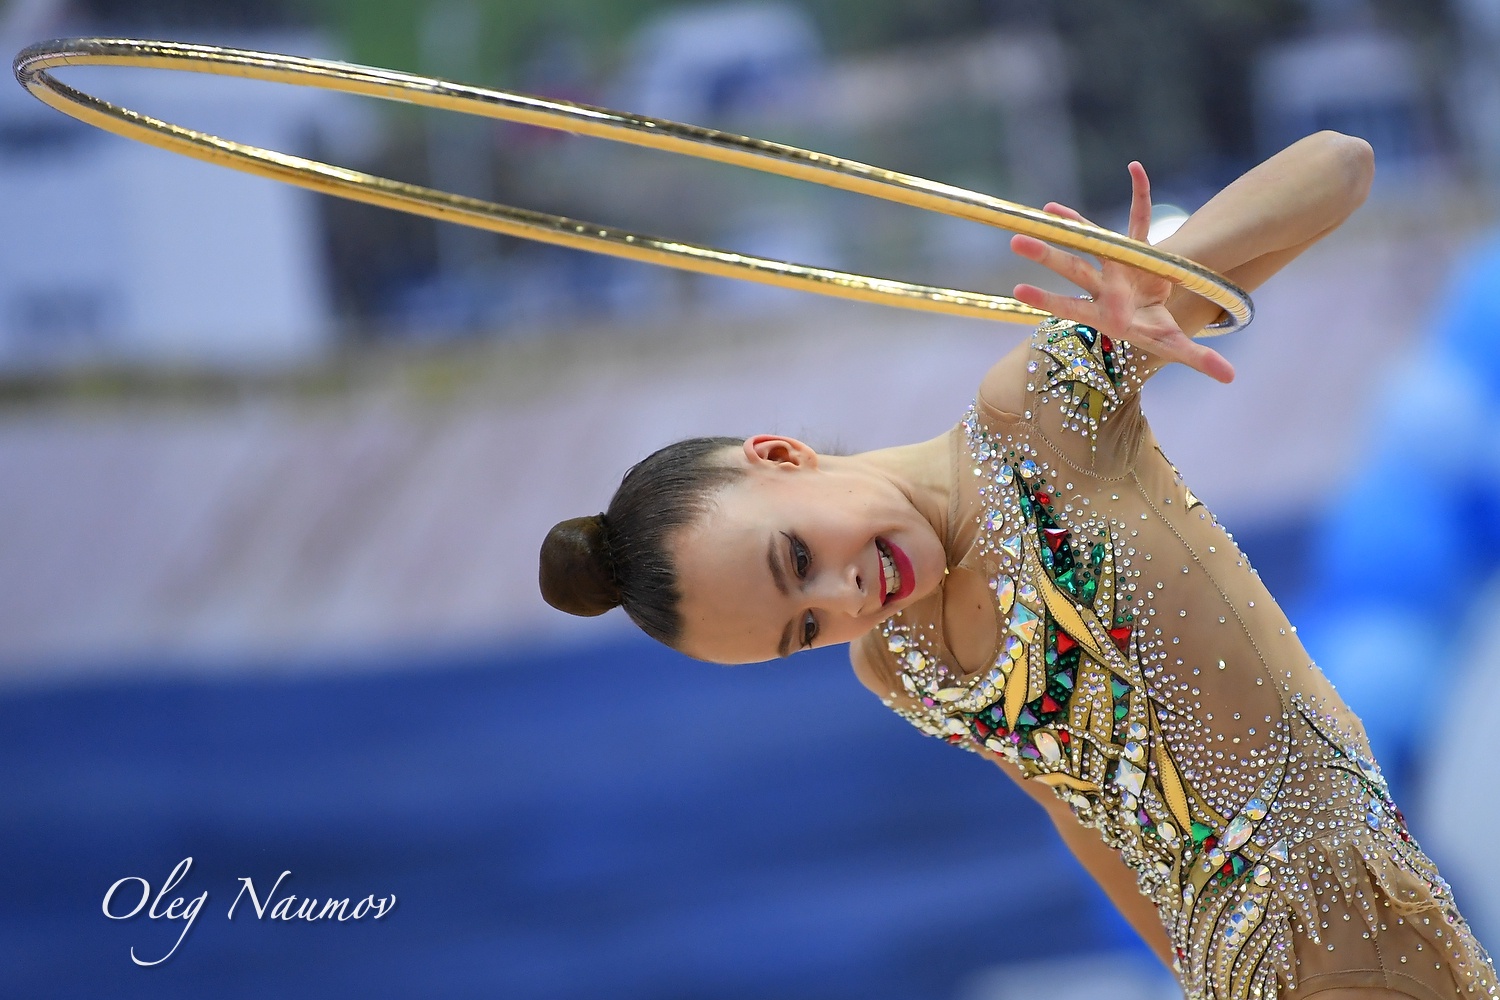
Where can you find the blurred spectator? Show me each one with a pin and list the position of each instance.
(709, 62)
(1351, 75)
(458, 147)
(1476, 85)
(125, 255)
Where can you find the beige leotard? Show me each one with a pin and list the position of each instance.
(1140, 668)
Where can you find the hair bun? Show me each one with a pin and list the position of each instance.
(577, 573)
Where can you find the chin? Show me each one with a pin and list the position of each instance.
(932, 574)
(936, 579)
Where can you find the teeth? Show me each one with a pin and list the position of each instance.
(892, 577)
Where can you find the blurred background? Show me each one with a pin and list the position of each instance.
(274, 470)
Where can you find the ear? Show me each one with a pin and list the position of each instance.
(776, 452)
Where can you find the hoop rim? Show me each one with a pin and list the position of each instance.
(32, 66)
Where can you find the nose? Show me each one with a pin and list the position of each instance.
(846, 593)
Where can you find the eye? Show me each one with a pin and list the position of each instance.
(809, 630)
(801, 558)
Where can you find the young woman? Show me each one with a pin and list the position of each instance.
(1039, 586)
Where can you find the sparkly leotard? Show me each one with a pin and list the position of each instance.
(1141, 669)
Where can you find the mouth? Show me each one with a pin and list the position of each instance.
(897, 579)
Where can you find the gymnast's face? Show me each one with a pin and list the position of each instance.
(801, 551)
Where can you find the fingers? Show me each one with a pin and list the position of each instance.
(1058, 261)
(1140, 202)
(1080, 310)
(1208, 361)
(1058, 208)
(1165, 340)
(1211, 363)
(1178, 346)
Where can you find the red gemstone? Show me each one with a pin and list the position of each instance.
(1044, 498)
(1228, 869)
(1106, 343)
(1209, 842)
(982, 727)
(1121, 636)
(1064, 643)
(955, 737)
(1055, 537)
(1063, 737)
(1048, 705)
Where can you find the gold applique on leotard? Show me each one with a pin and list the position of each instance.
(1127, 620)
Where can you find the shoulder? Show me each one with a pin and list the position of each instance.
(1076, 388)
(1002, 391)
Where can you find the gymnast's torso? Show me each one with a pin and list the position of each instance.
(1102, 634)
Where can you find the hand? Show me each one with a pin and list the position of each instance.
(1125, 302)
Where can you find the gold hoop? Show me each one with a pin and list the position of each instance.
(32, 66)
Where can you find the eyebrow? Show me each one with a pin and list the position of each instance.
(784, 647)
(776, 573)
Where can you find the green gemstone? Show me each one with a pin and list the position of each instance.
(1089, 589)
(1066, 582)
(1064, 679)
(1120, 711)
(1096, 554)
(1238, 863)
(1119, 687)
(1201, 832)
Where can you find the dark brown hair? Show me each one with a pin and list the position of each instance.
(619, 558)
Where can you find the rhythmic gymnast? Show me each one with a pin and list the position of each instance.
(1040, 587)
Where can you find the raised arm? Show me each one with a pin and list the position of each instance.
(1248, 231)
(1260, 223)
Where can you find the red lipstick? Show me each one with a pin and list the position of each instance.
(903, 569)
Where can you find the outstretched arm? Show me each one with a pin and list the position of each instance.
(1248, 231)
